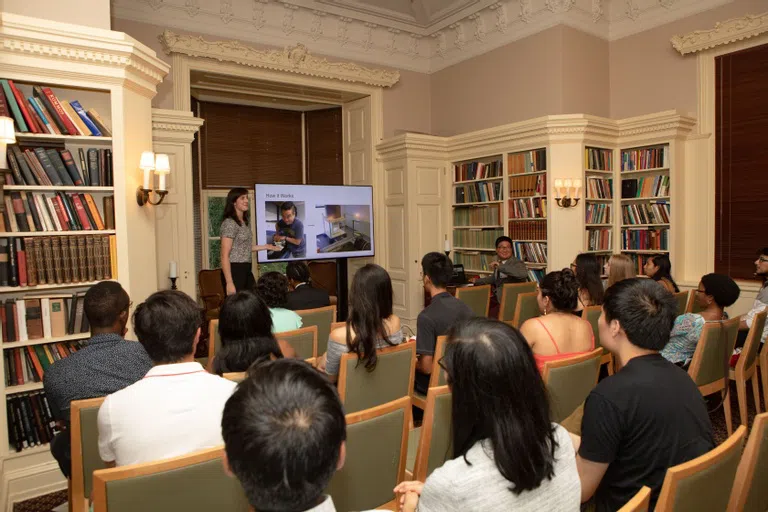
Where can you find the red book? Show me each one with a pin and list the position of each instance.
(21, 261)
(81, 212)
(60, 111)
(23, 107)
(17, 364)
(35, 362)
(58, 207)
(4, 110)
(4, 323)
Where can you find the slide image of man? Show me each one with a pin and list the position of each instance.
(289, 229)
(346, 228)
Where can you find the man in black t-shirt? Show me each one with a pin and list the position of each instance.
(438, 317)
(647, 417)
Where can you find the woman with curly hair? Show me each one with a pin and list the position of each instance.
(272, 287)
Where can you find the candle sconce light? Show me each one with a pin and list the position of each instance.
(567, 192)
(161, 165)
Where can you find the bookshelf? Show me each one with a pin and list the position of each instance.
(645, 202)
(527, 209)
(599, 199)
(478, 197)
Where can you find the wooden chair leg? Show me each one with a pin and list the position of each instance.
(727, 411)
(756, 392)
(741, 394)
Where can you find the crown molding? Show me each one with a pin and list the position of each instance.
(294, 60)
(726, 32)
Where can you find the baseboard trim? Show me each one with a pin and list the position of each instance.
(31, 482)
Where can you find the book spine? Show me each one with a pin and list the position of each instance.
(87, 120)
(99, 223)
(77, 276)
(53, 114)
(48, 167)
(93, 167)
(5, 111)
(29, 247)
(81, 214)
(21, 125)
(99, 122)
(58, 164)
(40, 262)
(21, 259)
(66, 267)
(29, 199)
(15, 169)
(58, 268)
(53, 128)
(60, 111)
(71, 166)
(23, 107)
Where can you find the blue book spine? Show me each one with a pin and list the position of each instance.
(40, 114)
(87, 120)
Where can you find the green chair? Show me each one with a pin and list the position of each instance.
(569, 382)
(360, 389)
(704, 483)
(193, 483)
(749, 495)
(303, 341)
(746, 367)
(527, 307)
(478, 298)
(592, 314)
(435, 441)
(710, 367)
(682, 301)
(376, 452)
(509, 293)
(436, 378)
(322, 318)
(84, 451)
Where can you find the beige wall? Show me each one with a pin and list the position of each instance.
(92, 13)
(586, 74)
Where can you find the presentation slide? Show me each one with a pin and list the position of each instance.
(310, 222)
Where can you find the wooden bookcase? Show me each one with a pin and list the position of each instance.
(599, 202)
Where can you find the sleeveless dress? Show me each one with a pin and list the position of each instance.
(541, 359)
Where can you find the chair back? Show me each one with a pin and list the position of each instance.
(682, 301)
(748, 358)
(437, 377)
(478, 298)
(377, 445)
(705, 482)
(639, 502)
(569, 382)
(527, 307)
(509, 293)
(193, 483)
(749, 494)
(235, 376)
(592, 314)
(360, 389)
(710, 364)
(435, 442)
(693, 305)
(214, 340)
(211, 291)
(322, 318)
(85, 450)
(303, 341)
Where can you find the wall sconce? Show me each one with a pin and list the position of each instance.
(160, 164)
(563, 193)
(7, 136)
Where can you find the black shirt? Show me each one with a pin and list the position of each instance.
(434, 321)
(641, 421)
(307, 297)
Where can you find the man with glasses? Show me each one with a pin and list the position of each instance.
(761, 301)
(506, 269)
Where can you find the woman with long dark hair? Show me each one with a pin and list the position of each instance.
(245, 328)
(371, 324)
(507, 453)
(591, 291)
(659, 268)
(237, 243)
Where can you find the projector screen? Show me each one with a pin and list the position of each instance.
(311, 222)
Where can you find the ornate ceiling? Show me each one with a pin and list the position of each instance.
(418, 35)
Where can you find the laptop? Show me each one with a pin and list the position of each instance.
(459, 278)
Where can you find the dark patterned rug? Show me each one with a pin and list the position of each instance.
(44, 503)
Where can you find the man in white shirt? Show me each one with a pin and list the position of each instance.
(176, 408)
(761, 301)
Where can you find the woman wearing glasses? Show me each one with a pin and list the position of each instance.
(714, 293)
(507, 453)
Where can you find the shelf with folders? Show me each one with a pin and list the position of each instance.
(478, 215)
(474, 261)
(527, 208)
(598, 199)
(481, 238)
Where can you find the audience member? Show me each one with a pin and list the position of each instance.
(438, 317)
(714, 293)
(659, 268)
(619, 267)
(761, 301)
(303, 294)
(371, 325)
(558, 333)
(506, 269)
(272, 287)
(176, 408)
(284, 433)
(105, 364)
(591, 291)
(647, 417)
(245, 329)
(507, 453)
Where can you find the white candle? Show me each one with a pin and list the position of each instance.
(447, 245)
(147, 174)
(161, 181)
(172, 270)
(558, 188)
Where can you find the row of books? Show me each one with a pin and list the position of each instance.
(653, 186)
(480, 238)
(600, 239)
(599, 188)
(34, 261)
(28, 364)
(528, 230)
(643, 239)
(645, 158)
(528, 161)
(598, 213)
(489, 215)
(48, 166)
(530, 252)
(59, 211)
(474, 260)
(652, 213)
(536, 275)
(532, 207)
(479, 192)
(36, 317)
(30, 422)
(524, 186)
(43, 112)
(477, 170)
(598, 159)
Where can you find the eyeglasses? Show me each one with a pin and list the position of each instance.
(701, 291)
(763, 260)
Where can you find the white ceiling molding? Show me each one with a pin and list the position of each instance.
(726, 32)
(294, 60)
(419, 35)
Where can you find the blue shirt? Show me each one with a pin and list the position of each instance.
(295, 230)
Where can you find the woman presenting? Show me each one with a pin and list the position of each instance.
(237, 244)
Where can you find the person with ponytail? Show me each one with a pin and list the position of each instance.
(659, 268)
(558, 333)
(303, 295)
